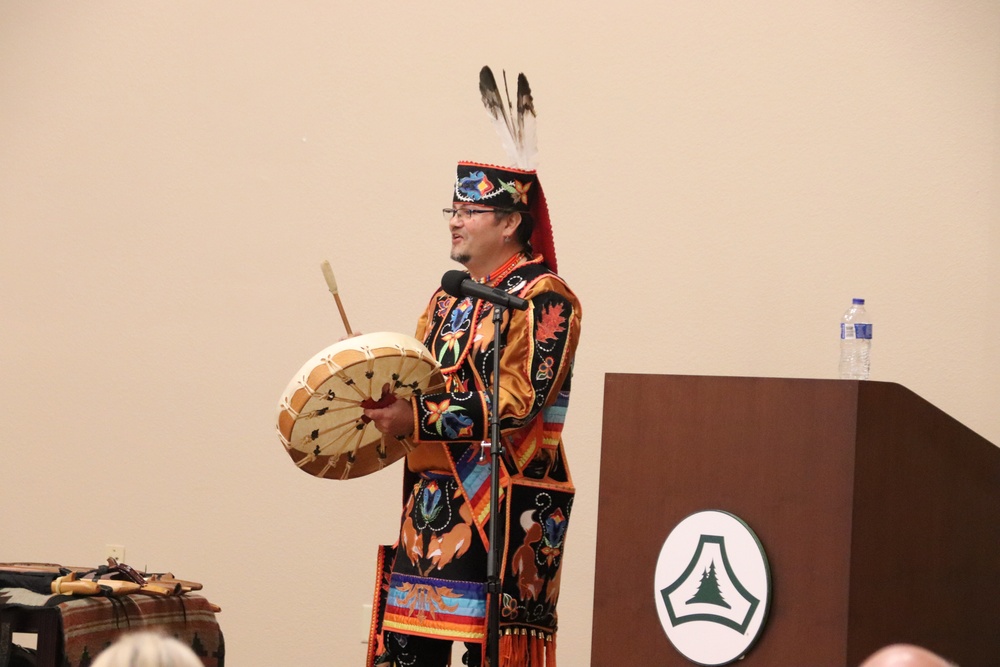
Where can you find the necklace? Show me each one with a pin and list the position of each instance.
(496, 276)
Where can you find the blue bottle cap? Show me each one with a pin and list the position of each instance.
(858, 302)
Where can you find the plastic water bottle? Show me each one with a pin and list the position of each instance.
(855, 342)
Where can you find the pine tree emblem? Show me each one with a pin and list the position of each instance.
(708, 590)
(712, 587)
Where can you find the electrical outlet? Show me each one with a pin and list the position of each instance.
(366, 621)
(116, 551)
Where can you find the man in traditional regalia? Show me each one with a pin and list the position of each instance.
(432, 590)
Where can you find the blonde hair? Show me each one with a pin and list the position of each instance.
(147, 649)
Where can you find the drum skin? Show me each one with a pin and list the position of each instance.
(321, 419)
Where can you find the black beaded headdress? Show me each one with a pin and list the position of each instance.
(515, 187)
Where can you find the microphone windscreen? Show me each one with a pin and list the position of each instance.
(452, 281)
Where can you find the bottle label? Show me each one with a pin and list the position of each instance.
(860, 331)
(863, 331)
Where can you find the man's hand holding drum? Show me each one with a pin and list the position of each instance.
(395, 419)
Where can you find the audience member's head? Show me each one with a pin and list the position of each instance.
(147, 649)
(905, 655)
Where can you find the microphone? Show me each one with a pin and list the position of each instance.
(458, 283)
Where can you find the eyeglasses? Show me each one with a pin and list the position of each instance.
(465, 214)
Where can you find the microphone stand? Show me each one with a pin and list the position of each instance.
(495, 551)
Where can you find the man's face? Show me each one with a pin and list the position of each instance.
(477, 240)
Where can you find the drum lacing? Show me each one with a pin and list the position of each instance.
(370, 372)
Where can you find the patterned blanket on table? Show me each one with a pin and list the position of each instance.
(92, 623)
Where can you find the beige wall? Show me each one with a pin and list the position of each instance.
(723, 178)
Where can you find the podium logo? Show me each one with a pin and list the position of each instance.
(712, 587)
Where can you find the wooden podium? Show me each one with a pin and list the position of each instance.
(879, 514)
